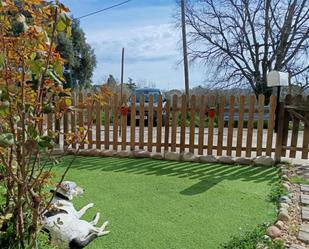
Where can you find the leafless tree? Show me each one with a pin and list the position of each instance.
(240, 41)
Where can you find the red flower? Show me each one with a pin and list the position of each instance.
(124, 110)
(211, 113)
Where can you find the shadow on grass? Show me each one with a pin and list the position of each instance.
(208, 174)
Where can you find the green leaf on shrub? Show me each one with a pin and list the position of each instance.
(6, 140)
(32, 131)
(47, 109)
(58, 68)
(36, 68)
(54, 77)
(61, 26)
(46, 142)
(1, 60)
(4, 107)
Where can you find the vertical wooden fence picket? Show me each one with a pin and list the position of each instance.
(306, 132)
(98, 124)
(89, 122)
(81, 116)
(230, 126)
(115, 122)
(221, 126)
(133, 122)
(141, 122)
(159, 125)
(192, 124)
(201, 125)
(73, 120)
(250, 126)
(240, 125)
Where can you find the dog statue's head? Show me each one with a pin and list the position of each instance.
(69, 189)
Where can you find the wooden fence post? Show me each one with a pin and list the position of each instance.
(98, 124)
(306, 133)
(230, 127)
(271, 125)
(141, 122)
(65, 127)
(250, 126)
(167, 126)
(107, 124)
(183, 123)
(123, 127)
(73, 119)
(150, 122)
(49, 123)
(115, 123)
(221, 126)
(295, 129)
(286, 120)
(259, 143)
(192, 123)
(240, 127)
(278, 151)
(89, 121)
(133, 122)
(174, 123)
(212, 103)
(81, 116)
(159, 124)
(57, 124)
(202, 125)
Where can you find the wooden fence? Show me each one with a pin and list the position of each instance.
(293, 130)
(241, 126)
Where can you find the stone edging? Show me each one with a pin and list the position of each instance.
(289, 226)
(175, 156)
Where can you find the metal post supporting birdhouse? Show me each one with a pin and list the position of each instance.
(277, 79)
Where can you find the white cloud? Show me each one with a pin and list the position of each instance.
(147, 43)
(151, 45)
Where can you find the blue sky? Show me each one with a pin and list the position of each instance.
(146, 29)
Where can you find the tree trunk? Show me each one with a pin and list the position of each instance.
(262, 88)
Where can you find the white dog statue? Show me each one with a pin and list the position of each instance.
(63, 222)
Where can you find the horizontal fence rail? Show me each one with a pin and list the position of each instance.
(204, 125)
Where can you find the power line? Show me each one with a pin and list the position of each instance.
(107, 8)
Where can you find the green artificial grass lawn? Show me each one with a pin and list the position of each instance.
(153, 204)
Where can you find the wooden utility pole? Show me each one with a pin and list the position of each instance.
(184, 45)
(121, 88)
(122, 68)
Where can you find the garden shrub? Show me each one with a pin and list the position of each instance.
(276, 191)
(254, 239)
(32, 86)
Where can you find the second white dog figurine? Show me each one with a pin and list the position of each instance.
(63, 221)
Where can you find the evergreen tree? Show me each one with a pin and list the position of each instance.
(79, 56)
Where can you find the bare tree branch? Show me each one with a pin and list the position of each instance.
(242, 40)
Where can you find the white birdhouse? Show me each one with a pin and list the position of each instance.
(276, 78)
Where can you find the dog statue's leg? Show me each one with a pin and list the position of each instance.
(95, 220)
(102, 228)
(98, 229)
(81, 212)
(102, 233)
